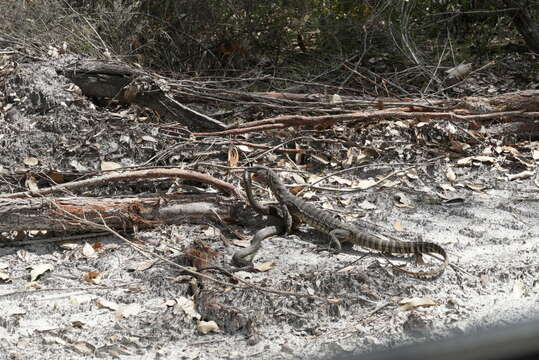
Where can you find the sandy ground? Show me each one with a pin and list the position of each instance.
(133, 307)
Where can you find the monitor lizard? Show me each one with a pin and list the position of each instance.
(294, 210)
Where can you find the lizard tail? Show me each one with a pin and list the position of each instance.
(417, 247)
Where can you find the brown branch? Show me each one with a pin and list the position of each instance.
(131, 175)
(282, 122)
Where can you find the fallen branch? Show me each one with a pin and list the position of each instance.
(282, 122)
(131, 175)
(120, 213)
(518, 105)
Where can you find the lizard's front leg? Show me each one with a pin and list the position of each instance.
(337, 236)
(287, 217)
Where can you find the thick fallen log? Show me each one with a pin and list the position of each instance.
(74, 214)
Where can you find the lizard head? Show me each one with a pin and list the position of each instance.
(260, 173)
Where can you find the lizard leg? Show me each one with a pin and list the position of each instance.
(337, 234)
(287, 217)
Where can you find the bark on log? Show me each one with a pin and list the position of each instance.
(133, 86)
(78, 213)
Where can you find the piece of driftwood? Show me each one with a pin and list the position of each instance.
(134, 86)
(78, 213)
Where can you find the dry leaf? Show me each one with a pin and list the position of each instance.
(78, 166)
(366, 205)
(447, 187)
(535, 155)
(295, 189)
(207, 326)
(83, 348)
(320, 158)
(403, 201)
(98, 246)
(34, 285)
(354, 155)
(459, 71)
(4, 277)
(412, 174)
(390, 183)
(106, 304)
(464, 161)
(69, 245)
(308, 195)
(31, 183)
(142, 266)
(233, 156)
(109, 165)
(212, 231)
(93, 277)
(364, 184)
(88, 251)
(521, 175)
(298, 178)
(518, 289)
(398, 226)
(458, 146)
(412, 303)
(244, 148)
(187, 306)
(80, 299)
(126, 310)
(31, 161)
(450, 174)
(149, 138)
(327, 205)
(341, 180)
(23, 255)
(263, 267)
(38, 270)
(336, 99)
(484, 159)
(347, 269)
(476, 187)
